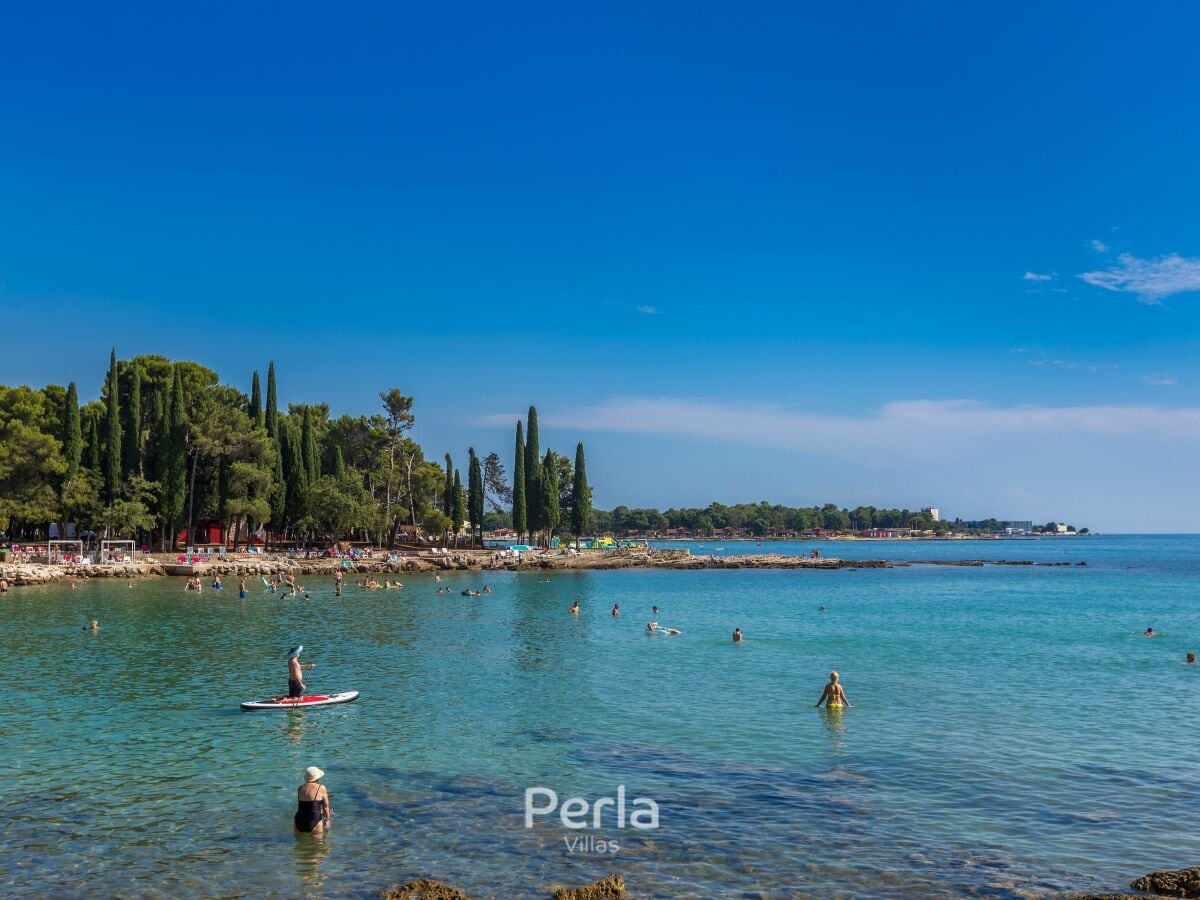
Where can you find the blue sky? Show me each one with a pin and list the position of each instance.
(894, 254)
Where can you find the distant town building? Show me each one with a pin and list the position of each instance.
(934, 512)
(1018, 527)
(1060, 528)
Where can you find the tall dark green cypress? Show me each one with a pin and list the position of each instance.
(533, 474)
(175, 490)
(339, 463)
(93, 447)
(448, 489)
(72, 433)
(132, 451)
(550, 512)
(278, 492)
(272, 413)
(112, 435)
(160, 438)
(518, 510)
(297, 477)
(581, 496)
(456, 507)
(256, 407)
(308, 446)
(475, 495)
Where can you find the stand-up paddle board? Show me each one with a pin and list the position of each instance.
(302, 702)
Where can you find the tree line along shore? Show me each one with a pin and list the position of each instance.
(168, 455)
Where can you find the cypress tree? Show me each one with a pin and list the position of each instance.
(533, 475)
(256, 407)
(72, 433)
(308, 446)
(271, 418)
(157, 443)
(176, 461)
(475, 495)
(581, 496)
(132, 451)
(93, 450)
(549, 486)
(518, 510)
(278, 491)
(112, 435)
(339, 464)
(456, 507)
(448, 489)
(297, 478)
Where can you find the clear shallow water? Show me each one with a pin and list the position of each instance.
(1011, 731)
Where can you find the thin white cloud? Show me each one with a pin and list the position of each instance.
(649, 310)
(1150, 279)
(1100, 246)
(1072, 365)
(1161, 379)
(920, 428)
(1035, 276)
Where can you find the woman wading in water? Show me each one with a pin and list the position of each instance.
(312, 809)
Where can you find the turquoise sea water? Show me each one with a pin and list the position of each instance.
(1011, 732)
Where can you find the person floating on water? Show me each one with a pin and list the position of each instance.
(654, 609)
(616, 609)
(834, 696)
(312, 804)
(1191, 659)
(737, 635)
(821, 608)
(92, 626)
(1149, 632)
(575, 608)
(486, 589)
(296, 683)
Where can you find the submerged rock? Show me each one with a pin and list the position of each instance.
(423, 889)
(610, 887)
(1171, 882)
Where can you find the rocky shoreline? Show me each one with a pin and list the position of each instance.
(463, 561)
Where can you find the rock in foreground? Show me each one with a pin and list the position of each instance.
(424, 889)
(610, 887)
(1171, 883)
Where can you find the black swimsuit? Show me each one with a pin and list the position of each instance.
(309, 814)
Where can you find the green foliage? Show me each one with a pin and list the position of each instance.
(534, 519)
(131, 451)
(581, 495)
(448, 489)
(73, 433)
(271, 416)
(475, 494)
(30, 459)
(435, 522)
(174, 462)
(256, 407)
(111, 463)
(519, 508)
(337, 504)
(550, 515)
(93, 445)
(457, 505)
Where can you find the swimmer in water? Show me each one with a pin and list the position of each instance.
(651, 627)
(616, 609)
(486, 589)
(94, 626)
(1191, 659)
(821, 608)
(1149, 632)
(737, 635)
(575, 608)
(833, 696)
(654, 609)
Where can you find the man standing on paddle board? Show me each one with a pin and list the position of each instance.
(295, 678)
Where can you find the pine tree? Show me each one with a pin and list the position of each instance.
(112, 435)
(549, 487)
(72, 433)
(581, 496)
(132, 451)
(475, 495)
(456, 507)
(256, 407)
(518, 506)
(448, 489)
(271, 418)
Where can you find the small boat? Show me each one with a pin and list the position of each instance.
(302, 702)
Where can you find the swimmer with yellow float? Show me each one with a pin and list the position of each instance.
(834, 697)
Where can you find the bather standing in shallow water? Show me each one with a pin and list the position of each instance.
(312, 804)
(834, 696)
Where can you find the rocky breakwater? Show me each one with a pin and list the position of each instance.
(34, 573)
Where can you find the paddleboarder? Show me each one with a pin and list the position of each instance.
(295, 678)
